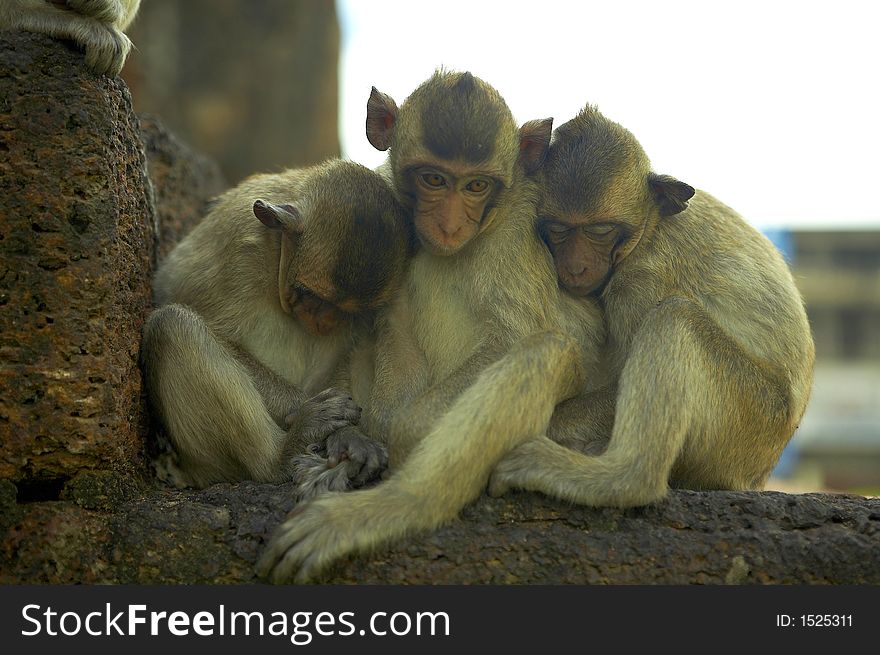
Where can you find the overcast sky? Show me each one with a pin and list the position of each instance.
(772, 106)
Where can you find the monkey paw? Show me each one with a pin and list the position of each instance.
(314, 476)
(106, 49)
(510, 471)
(365, 459)
(321, 415)
(316, 534)
(166, 466)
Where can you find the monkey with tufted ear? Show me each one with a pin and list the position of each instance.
(95, 25)
(256, 316)
(478, 346)
(709, 348)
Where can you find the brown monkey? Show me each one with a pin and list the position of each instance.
(95, 25)
(708, 342)
(255, 317)
(479, 345)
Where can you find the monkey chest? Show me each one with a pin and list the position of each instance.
(302, 359)
(448, 330)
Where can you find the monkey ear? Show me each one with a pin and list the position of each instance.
(381, 116)
(279, 217)
(671, 195)
(534, 143)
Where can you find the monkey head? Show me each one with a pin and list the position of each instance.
(344, 245)
(454, 147)
(599, 199)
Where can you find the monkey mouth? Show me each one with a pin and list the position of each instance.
(318, 315)
(583, 290)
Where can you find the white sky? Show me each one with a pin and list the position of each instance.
(773, 106)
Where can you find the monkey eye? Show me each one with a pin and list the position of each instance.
(434, 180)
(477, 186)
(601, 231)
(556, 232)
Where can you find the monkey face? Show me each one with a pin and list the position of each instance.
(598, 200)
(318, 316)
(450, 205)
(584, 253)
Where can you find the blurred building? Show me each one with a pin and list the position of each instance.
(838, 443)
(252, 84)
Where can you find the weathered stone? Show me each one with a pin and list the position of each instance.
(183, 182)
(76, 252)
(216, 536)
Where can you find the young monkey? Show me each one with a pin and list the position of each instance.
(709, 346)
(478, 346)
(259, 306)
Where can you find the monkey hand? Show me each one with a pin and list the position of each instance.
(321, 531)
(347, 459)
(321, 415)
(365, 459)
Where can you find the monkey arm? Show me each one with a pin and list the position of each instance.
(679, 384)
(279, 396)
(510, 402)
(411, 422)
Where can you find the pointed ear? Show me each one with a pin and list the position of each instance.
(279, 217)
(534, 143)
(671, 195)
(381, 116)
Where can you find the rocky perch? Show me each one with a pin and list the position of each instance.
(90, 196)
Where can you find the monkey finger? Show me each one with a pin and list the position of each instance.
(282, 539)
(375, 462)
(292, 554)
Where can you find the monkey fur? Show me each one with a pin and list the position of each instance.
(257, 308)
(97, 26)
(478, 346)
(709, 350)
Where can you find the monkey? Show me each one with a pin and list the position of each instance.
(709, 350)
(257, 308)
(478, 346)
(97, 26)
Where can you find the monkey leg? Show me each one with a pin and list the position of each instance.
(207, 402)
(510, 402)
(584, 423)
(692, 407)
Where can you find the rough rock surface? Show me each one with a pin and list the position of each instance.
(183, 182)
(216, 535)
(76, 252)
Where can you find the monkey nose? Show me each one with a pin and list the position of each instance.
(449, 230)
(576, 272)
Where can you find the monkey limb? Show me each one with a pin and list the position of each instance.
(95, 25)
(707, 331)
(475, 295)
(256, 316)
(529, 381)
